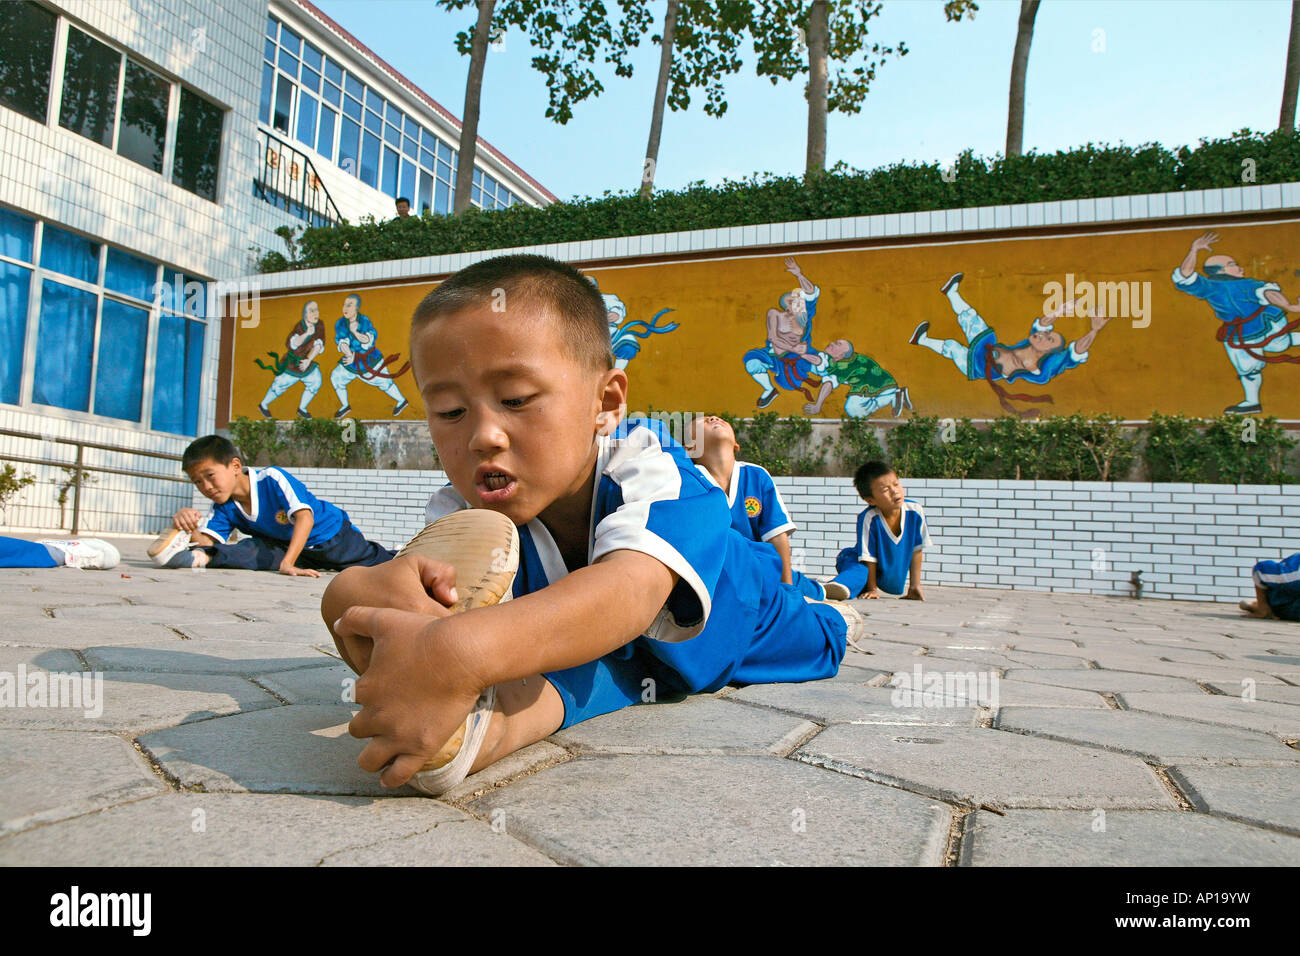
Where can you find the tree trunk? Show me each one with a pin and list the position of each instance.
(1289, 85)
(1019, 66)
(469, 118)
(818, 45)
(661, 94)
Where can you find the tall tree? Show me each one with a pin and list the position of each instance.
(661, 94)
(1019, 67)
(1292, 79)
(469, 117)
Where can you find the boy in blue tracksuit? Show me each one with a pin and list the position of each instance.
(757, 510)
(1277, 589)
(892, 534)
(630, 581)
(289, 529)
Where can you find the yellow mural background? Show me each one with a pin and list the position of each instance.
(873, 297)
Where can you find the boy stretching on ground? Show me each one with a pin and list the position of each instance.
(757, 510)
(891, 535)
(1277, 589)
(290, 530)
(630, 581)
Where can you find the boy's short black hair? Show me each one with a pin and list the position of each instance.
(209, 448)
(868, 473)
(401, 199)
(528, 280)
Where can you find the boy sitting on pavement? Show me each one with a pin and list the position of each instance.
(757, 510)
(1277, 589)
(285, 522)
(891, 535)
(629, 582)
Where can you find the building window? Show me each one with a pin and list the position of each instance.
(198, 145)
(26, 57)
(142, 135)
(90, 76)
(92, 339)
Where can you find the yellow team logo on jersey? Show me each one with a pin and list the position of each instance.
(753, 506)
(282, 517)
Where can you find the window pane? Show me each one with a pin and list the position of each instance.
(15, 285)
(325, 135)
(269, 51)
(373, 122)
(425, 202)
(426, 159)
(310, 79)
(283, 102)
(290, 40)
(395, 116)
(390, 172)
(177, 375)
(272, 26)
(409, 147)
(444, 151)
(90, 88)
(374, 101)
(412, 128)
(354, 87)
(348, 137)
(143, 131)
(331, 94)
(428, 140)
(442, 198)
(268, 88)
(370, 159)
(26, 55)
(186, 294)
(70, 254)
(198, 145)
(130, 275)
(352, 108)
(288, 62)
(311, 56)
(16, 235)
(392, 134)
(406, 185)
(65, 347)
(333, 72)
(307, 119)
(444, 171)
(119, 386)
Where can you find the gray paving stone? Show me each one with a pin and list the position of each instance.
(303, 748)
(91, 771)
(37, 658)
(697, 725)
(208, 657)
(517, 764)
(1130, 838)
(311, 685)
(1261, 715)
(748, 811)
(133, 702)
(1219, 670)
(309, 629)
(1265, 796)
(977, 765)
(1165, 740)
(1102, 681)
(836, 703)
(142, 614)
(220, 829)
(47, 632)
(1276, 693)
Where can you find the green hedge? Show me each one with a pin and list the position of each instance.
(1085, 172)
(1230, 450)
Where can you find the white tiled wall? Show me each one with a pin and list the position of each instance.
(1191, 542)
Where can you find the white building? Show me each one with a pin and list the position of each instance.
(149, 145)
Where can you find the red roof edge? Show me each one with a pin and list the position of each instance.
(343, 34)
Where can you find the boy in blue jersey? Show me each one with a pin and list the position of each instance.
(757, 510)
(891, 536)
(1277, 589)
(289, 529)
(631, 583)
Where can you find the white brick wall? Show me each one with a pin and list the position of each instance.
(1045, 542)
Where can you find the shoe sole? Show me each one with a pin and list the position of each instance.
(163, 548)
(917, 332)
(483, 547)
(952, 281)
(841, 593)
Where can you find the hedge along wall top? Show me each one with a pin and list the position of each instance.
(708, 321)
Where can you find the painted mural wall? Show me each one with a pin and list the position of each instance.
(1127, 323)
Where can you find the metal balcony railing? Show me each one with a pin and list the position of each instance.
(287, 180)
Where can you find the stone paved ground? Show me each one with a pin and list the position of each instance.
(1123, 732)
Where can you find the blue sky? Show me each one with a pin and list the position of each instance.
(1168, 72)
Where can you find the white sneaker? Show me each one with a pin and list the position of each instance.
(836, 591)
(855, 626)
(86, 553)
(483, 547)
(167, 545)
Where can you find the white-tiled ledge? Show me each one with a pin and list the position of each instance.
(939, 222)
